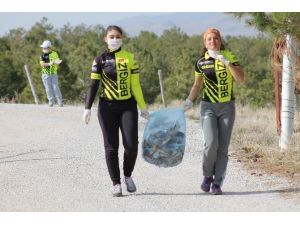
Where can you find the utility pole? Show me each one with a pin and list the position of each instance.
(31, 84)
(162, 88)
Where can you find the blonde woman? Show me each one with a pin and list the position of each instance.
(215, 71)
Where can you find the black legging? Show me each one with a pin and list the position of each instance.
(113, 115)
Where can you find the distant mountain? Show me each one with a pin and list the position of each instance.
(189, 22)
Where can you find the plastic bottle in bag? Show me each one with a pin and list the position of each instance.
(164, 138)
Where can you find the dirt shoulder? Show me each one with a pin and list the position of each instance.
(281, 164)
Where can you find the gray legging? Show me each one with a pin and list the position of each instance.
(217, 122)
(52, 88)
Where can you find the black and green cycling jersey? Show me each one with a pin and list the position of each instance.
(218, 80)
(49, 57)
(118, 75)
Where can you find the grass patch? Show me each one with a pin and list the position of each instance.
(255, 144)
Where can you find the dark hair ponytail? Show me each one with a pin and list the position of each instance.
(114, 27)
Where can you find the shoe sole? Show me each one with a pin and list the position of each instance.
(131, 191)
(205, 189)
(216, 192)
(117, 195)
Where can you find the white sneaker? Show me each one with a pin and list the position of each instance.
(130, 184)
(116, 190)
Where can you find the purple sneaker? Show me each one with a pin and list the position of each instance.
(216, 189)
(205, 186)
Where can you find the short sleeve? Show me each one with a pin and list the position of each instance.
(198, 71)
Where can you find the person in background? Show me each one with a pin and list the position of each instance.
(117, 74)
(215, 71)
(49, 62)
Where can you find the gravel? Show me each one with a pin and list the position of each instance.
(51, 161)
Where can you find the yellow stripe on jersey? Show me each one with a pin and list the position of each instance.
(107, 92)
(95, 76)
(198, 74)
(110, 84)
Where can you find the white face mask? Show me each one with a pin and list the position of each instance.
(213, 53)
(114, 44)
(45, 50)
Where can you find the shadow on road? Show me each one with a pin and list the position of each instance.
(2, 161)
(167, 194)
(41, 159)
(288, 190)
(23, 153)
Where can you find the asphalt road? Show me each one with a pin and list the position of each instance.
(51, 161)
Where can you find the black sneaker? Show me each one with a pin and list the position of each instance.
(216, 189)
(205, 186)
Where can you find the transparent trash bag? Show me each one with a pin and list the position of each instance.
(164, 138)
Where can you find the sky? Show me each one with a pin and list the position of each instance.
(132, 22)
(18, 13)
(150, 6)
(13, 20)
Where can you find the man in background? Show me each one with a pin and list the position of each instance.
(49, 62)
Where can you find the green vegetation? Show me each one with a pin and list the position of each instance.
(174, 52)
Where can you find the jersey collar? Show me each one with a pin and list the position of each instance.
(206, 55)
(119, 49)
